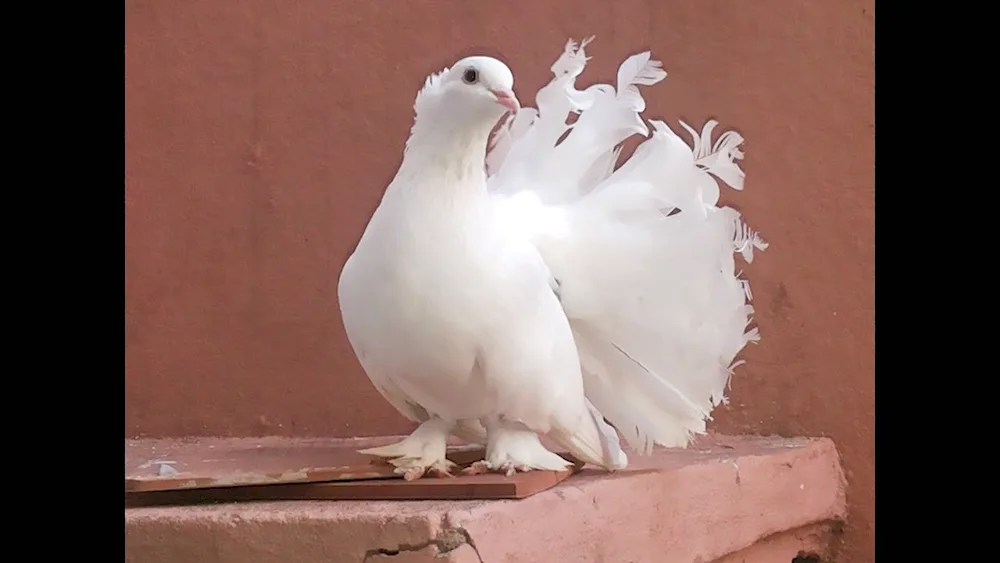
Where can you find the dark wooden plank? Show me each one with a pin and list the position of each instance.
(163, 465)
(463, 487)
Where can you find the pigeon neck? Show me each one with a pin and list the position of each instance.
(450, 148)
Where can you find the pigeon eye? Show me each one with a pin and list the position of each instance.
(470, 76)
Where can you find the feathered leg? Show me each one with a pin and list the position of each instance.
(421, 453)
(471, 431)
(512, 447)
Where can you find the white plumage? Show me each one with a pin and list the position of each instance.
(548, 291)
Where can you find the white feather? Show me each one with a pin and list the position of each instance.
(638, 70)
(656, 307)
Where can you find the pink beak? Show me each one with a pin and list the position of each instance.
(507, 99)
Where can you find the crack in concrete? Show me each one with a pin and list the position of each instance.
(445, 542)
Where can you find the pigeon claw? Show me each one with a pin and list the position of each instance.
(508, 468)
(412, 473)
(477, 468)
(412, 469)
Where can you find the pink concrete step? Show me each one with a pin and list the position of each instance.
(728, 499)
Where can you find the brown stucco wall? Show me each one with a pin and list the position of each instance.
(259, 136)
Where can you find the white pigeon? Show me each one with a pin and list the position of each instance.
(538, 290)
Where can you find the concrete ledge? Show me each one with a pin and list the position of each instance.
(756, 499)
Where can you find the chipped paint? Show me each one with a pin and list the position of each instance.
(165, 470)
(153, 462)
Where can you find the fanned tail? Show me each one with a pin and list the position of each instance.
(644, 256)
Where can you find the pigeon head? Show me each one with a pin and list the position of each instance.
(474, 88)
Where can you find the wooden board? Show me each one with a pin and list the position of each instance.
(192, 466)
(471, 487)
(219, 470)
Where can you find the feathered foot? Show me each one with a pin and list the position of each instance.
(508, 468)
(421, 453)
(511, 448)
(412, 469)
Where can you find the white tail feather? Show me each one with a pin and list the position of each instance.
(638, 70)
(644, 256)
(593, 441)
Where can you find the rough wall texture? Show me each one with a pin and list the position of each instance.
(259, 136)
